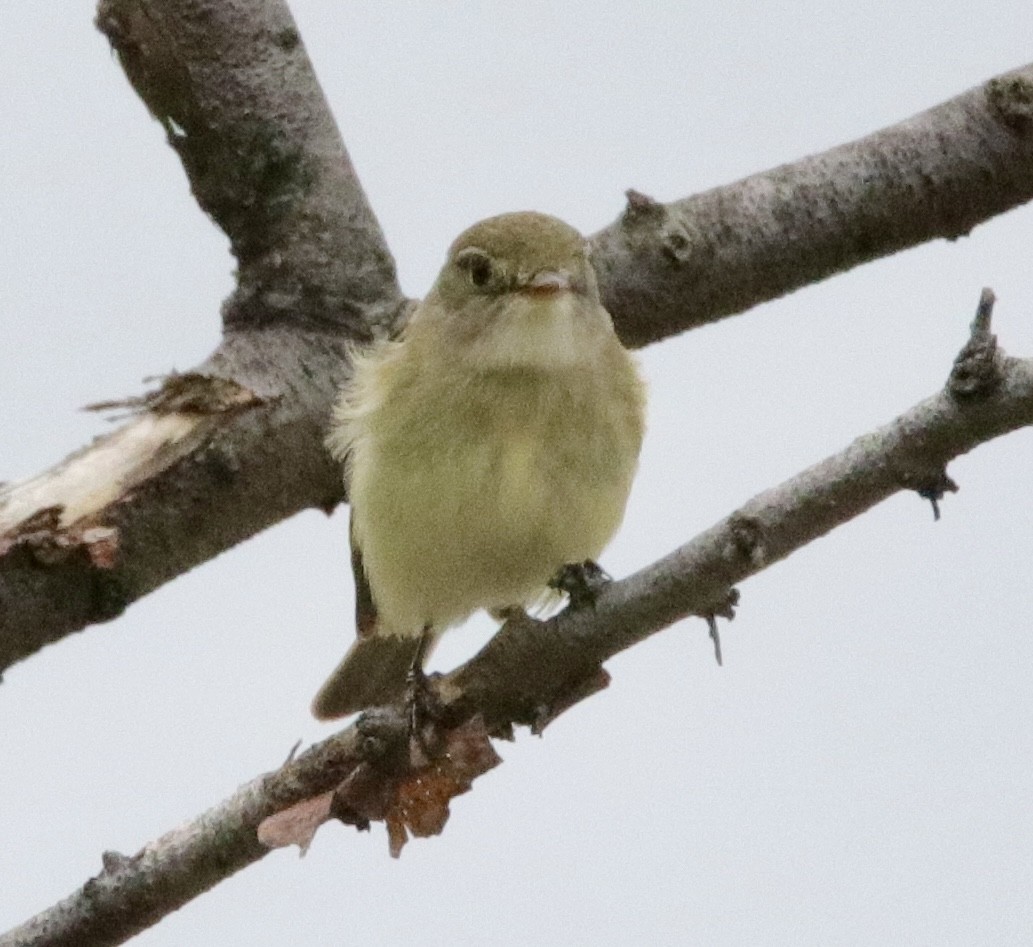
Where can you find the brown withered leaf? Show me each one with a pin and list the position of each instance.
(296, 825)
(413, 802)
(420, 802)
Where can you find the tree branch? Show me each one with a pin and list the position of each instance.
(234, 446)
(131, 894)
(667, 268)
(232, 85)
(531, 669)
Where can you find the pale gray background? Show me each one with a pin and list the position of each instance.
(860, 770)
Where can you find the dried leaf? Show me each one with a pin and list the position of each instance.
(420, 803)
(413, 802)
(296, 825)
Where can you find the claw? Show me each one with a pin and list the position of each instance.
(581, 581)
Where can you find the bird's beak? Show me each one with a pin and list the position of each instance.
(548, 283)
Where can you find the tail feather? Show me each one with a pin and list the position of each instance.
(373, 672)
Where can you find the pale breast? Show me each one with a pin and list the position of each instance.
(480, 506)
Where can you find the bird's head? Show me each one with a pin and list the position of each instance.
(517, 291)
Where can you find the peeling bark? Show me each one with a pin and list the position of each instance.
(235, 445)
(193, 473)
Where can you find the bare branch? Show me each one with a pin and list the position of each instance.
(530, 669)
(132, 893)
(667, 268)
(213, 460)
(235, 445)
(232, 85)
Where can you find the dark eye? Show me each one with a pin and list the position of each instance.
(477, 264)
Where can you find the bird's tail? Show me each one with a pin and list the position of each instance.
(373, 672)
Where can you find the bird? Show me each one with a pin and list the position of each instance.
(490, 445)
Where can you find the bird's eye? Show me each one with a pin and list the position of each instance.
(477, 265)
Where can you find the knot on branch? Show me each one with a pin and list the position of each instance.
(977, 370)
(114, 862)
(1011, 100)
(641, 208)
(931, 485)
(723, 607)
(645, 215)
(747, 539)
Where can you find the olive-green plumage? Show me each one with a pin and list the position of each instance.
(492, 443)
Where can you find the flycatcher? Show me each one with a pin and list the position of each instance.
(491, 444)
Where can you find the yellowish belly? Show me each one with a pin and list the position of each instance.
(484, 517)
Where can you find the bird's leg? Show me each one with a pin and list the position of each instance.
(582, 582)
(420, 702)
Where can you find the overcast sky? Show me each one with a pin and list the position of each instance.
(859, 772)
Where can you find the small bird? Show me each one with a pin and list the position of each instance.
(488, 447)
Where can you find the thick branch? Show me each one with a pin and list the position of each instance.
(232, 85)
(208, 463)
(667, 268)
(529, 666)
(236, 445)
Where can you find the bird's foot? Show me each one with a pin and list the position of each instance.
(581, 581)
